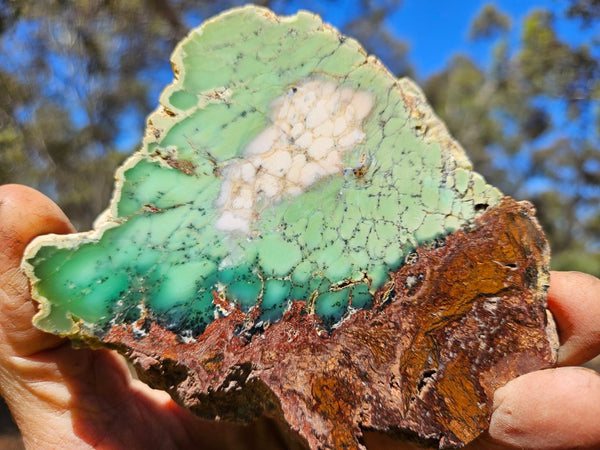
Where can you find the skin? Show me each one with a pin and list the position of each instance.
(64, 398)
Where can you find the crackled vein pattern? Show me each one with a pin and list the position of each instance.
(312, 126)
(299, 236)
(284, 164)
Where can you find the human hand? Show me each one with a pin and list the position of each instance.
(67, 398)
(548, 409)
(558, 408)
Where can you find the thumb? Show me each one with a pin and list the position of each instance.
(24, 214)
(548, 409)
(61, 397)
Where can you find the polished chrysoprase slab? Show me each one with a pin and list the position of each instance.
(283, 164)
(300, 237)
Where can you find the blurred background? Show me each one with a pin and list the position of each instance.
(517, 82)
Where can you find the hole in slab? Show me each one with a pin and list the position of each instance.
(389, 296)
(426, 377)
(412, 258)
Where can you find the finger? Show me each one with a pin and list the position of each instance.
(548, 409)
(59, 396)
(574, 299)
(39, 371)
(24, 214)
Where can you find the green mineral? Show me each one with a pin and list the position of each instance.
(283, 164)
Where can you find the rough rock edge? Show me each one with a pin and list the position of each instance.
(316, 383)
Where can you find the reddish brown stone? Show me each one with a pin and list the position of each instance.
(459, 320)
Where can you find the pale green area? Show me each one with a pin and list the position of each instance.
(166, 253)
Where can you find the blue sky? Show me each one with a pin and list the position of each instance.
(438, 29)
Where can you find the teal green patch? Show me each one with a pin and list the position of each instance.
(161, 251)
(361, 297)
(275, 299)
(332, 306)
(245, 291)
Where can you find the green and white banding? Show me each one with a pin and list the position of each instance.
(284, 164)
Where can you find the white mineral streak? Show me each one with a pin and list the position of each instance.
(311, 128)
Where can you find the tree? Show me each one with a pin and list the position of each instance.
(528, 123)
(489, 22)
(586, 10)
(79, 78)
(71, 79)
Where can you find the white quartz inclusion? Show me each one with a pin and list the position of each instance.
(311, 128)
